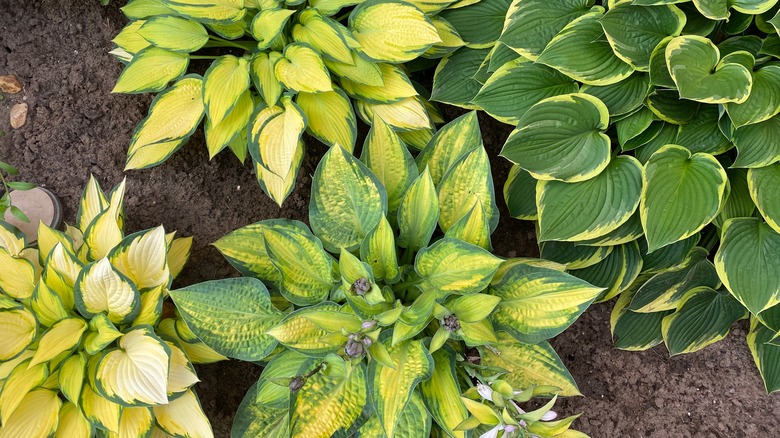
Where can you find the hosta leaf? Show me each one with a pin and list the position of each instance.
(756, 145)
(592, 208)
(101, 288)
(391, 31)
(389, 159)
(533, 23)
(209, 11)
(183, 417)
(562, 138)
(20, 329)
(150, 70)
(518, 85)
(322, 34)
(274, 134)
(453, 81)
(615, 273)
(268, 24)
(141, 257)
(418, 213)
(230, 31)
(666, 135)
(450, 38)
(763, 101)
(329, 401)
(407, 114)
(669, 107)
(181, 375)
(98, 410)
(682, 194)
(747, 263)
(301, 69)
(581, 51)
(173, 116)
(473, 228)
(520, 194)
(450, 144)
(359, 70)
(479, 24)
(245, 248)
(141, 353)
(664, 290)
(36, 416)
(538, 303)
(702, 133)
(71, 377)
(441, 393)
(62, 336)
(635, 331)
(763, 184)
(621, 97)
(136, 422)
(330, 117)
(379, 252)
(232, 316)
(72, 423)
(262, 72)
(391, 388)
(630, 231)
(765, 355)
(197, 353)
(529, 365)
(129, 40)
(299, 333)
(275, 186)
(696, 67)
(468, 182)
(347, 201)
(221, 135)
(659, 72)
(174, 33)
(739, 202)
(573, 256)
(105, 231)
(304, 266)
(138, 9)
(452, 266)
(703, 317)
(634, 31)
(395, 86)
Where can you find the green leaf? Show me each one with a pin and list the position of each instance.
(330, 400)
(659, 72)
(389, 159)
(739, 202)
(532, 24)
(391, 388)
(763, 184)
(747, 263)
(519, 84)
(562, 138)
(232, 316)
(592, 208)
(520, 194)
(539, 303)
(453, 81)
(683, 193)
(667, 257)
(763, 101)
(695, 65)
(347, 201)
(765, 355)
(529, 365)
(418, 213)
(468, 182)
(669, 107)
(449, 145)
(615, 273)
(622, 97)
(703, 317)
(304, 266)
(635, 331)
(151, 70)
(581, 51)
(634, 31)
(479, 24)
(452, 266)
(574, 256)
(702, 134)
(756, 145)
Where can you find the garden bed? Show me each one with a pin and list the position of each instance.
(59, 51)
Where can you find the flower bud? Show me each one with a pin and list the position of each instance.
(361, 286)
(367, 325)
(354, 348)
(451, 323)
(296, 383)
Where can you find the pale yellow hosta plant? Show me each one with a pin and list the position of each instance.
(279, 69)
(82, 348)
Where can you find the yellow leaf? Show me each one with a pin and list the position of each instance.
(274, 136)
(19, 329)
(322, 34)
(178, 254)
(264, 77)
(198, 353)
(395, 86)
(47, 305)
(99, 411)
(219, 135)
(17, 276)
(359, 70)
(268, 24)
(301, 69)
(105, 232)
(183, 417)
(405, 115)
(72, 423)
(330, 117)
(100, 288)
(135, 422)
(182, 375)
(142, 258)
(61, 337)
(130, 40)
(209, 11)
(93, 202)
(151, 70)
(276, 187)
(11, 239)
(18, 384)
(36, 417)
(224, 83)
(151, 307)
(71, 376)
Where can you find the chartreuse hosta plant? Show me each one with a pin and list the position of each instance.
(645, 141)
(82, 350)
(289, 67)
(379, 319)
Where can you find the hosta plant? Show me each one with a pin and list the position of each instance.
(278, 69)
(7, 171)
(645, 140)
(81, 353)
(377, 320)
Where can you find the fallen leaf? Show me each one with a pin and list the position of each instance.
(18, 115)
(9, 84)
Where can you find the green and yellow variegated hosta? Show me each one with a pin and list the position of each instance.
(644, 141)
(83, 349)
(367, 334)
(278, 69)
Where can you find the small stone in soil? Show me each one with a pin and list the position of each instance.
(18, 115)
(9, 84)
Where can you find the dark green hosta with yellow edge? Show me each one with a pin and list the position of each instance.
(379, 319)
(278, 69)
(645, 148)
(83, 349)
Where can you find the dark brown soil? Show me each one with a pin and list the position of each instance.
(59, 50)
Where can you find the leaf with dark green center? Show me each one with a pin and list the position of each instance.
(683, 193)
(747, 263)
(621, 97)
(669, 107)
(635, 331)
(695, 66)
(757, 144)
(591, 208)
(763, 102)
(562, 138)
(454, 81)
(765, 355)
(764, 187)
(702, 134)
(520, 194)
(572, 255)
(615, 273)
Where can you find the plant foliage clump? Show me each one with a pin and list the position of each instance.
(390, 316)
(645, 139)
(83, 350)
(290, 67)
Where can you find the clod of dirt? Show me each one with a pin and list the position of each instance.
(18, 115)
(9, 84)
